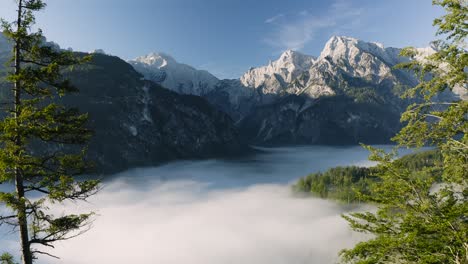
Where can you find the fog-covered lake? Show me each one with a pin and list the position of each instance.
(214, 212)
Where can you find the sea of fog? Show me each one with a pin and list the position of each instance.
(213, 212)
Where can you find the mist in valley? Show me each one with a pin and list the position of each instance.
(215, 211)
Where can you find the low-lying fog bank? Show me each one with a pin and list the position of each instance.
(212, 212)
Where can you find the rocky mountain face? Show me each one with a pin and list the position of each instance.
(139, 123)
(275, 77)
(349, 94)
(343, 65)
(328, 120)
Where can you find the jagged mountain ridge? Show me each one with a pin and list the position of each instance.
(286, 69)
(292, 73)
(277, 103)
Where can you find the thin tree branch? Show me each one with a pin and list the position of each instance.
(44, 253)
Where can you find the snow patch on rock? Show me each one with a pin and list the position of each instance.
(146, 101)
(133, 130)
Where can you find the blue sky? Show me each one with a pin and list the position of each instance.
(227, 37)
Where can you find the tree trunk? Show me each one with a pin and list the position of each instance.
(21, 213)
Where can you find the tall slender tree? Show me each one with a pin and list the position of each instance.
(42, 142)
(422, 217)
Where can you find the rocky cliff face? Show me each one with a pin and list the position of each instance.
(275, 77)
(139, 123)
(333, 120)
(342, 59)
(341, 98)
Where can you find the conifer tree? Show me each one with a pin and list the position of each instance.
(42, 143)
(422, 217)
(6, 258)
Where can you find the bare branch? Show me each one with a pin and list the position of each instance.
(44, 253)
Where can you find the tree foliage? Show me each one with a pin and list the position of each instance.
(356, 184)
(417, 220)
(42, 142)
(6, 258)
(340, 183)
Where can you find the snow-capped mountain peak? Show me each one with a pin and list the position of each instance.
(291, 73)
(341, 46)
(182, 78)
(360, 58)
(296, 59)
(288, 66)
(156, 59)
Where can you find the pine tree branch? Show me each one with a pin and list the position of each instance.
(35, 63)
(37, 189)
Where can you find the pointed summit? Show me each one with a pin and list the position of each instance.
(287, 53)
(292, 55)
(290, 64)
(337, 46)
(156, 59)
(351, 49)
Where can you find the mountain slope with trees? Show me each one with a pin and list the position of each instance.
(139, 123)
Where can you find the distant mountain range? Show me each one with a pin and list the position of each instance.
(349, 94)
(160, 109)
(292, 73)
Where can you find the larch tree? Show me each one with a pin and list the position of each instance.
(422, 217)
(42, 143)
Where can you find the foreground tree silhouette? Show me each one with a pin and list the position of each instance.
(41, 141)
(422, 217)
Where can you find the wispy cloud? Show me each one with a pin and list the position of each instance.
(294, 31)
(274, 18)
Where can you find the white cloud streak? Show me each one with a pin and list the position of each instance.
(274, 18)
(295, 31)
